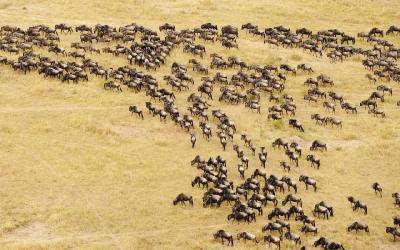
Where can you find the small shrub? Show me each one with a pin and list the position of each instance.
(278, 124)
(296, 57)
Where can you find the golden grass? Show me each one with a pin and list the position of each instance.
(77, 171)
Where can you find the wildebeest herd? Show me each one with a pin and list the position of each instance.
(149, 50)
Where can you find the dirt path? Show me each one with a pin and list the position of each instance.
(55, 108)
(92, 236)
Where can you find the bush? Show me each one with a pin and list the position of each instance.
(296, 57)
(278, 124)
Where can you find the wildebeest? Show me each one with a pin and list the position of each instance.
(318, 118)
(357, 204)
(370, 103)
(305, 67)
(259, 172)
(239, 216)
(293, 237)
(308, 181)
(255, 205)
(200, 180)
(293, 157)
(284, 224)
(296, 124)
(248, 26)
(318, 145)
(193, 139)
(336, 96)
(274, 116)
(280, 142)
(384, 89)
(396, 220)
(325, 79)
(370, 78)
(285, 166)
(209, 26)
(111, 85)
(294, 210)
(392, 29)
(222, 234)
(318, 209)
(329, 105)
(375, 31)
(311, 81)
(304, 31)
(276, 212)
(167, 27)
(274, 240)
(209, 200)
(377, 188)
(290, 183)
(136, 110)
(182, 198)
(230, 30)
(325, 204)
(70, 77)
(63, 27)
(305, 219)
(273, 226)
(288, 68)
(377, 95)
(396, 197)
(358, 226)
(247, 236)
(309, 229)
(334, 246)
(296, 148)
(393, 231)
(263, 158)
(265, 198)
(314, 160)
(377, 112)
(83, 27)
(322, 241)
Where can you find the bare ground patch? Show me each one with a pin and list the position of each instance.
(34, 231)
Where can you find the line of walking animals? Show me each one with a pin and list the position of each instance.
(146, 48)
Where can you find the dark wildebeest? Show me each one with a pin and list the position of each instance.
(392, 29)
(318, 145)
(314, 160)
(247, 236)
(182, 198)
(293, 237)
(280, 142)
(193, 139)
(393, 231)
(305, 219)
(222, 234)
(136, 110)
(274, 240)
(358, 226)
(309, 229)
(377, 188)
(308, 181)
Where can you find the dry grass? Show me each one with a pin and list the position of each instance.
(77, 171)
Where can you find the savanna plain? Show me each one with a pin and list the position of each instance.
(78, 171)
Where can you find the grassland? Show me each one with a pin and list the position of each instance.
(78, 172)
